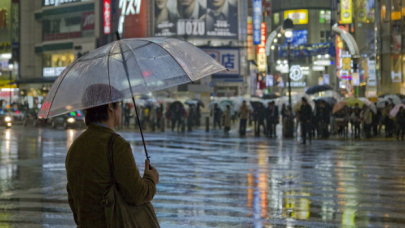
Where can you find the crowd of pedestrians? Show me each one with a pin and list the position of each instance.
(308, 122)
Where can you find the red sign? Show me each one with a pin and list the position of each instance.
(250, 28)
(135, 24)
(107, 16)
(261, 48)
(88, 21)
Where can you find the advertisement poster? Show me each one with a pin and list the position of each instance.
(261, 51)
(306, 50)
(361, 11)
(299, 17)
(370, 10)
(228, 58)
(346, 12)
(196, 18)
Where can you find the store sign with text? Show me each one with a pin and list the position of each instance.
(306, 50)
(257, 21)
(229, 58)
(346, 9)
(372, 80)
(196, 19)
(107, 16)
(59, 2)
(261, 50)
(127, 7)
(299, 17)
(52, 71)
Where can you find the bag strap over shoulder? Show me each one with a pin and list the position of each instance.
(110, 158)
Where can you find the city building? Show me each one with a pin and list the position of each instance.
(53, 34)
(9, 48)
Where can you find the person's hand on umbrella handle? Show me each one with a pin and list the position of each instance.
(151, 171)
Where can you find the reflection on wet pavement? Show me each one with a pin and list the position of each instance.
(208, 180)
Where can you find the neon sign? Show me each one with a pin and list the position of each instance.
(128, 7)
(107, 16)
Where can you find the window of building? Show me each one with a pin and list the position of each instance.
(324, 16)
(56, 61)
(68, 26)
(324, 36)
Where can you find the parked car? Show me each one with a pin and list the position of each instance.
(5, 119)
(69, 120)
(30, 118)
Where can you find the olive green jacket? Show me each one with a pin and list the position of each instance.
(88, 176)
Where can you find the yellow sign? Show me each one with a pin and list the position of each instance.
(346, 11)
(361, 11)
(347, 64)
(299, 17)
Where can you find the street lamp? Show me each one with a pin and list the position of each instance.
(288, 26)
(10, 67)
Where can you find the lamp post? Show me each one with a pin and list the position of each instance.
(10, 67)
(288, 26)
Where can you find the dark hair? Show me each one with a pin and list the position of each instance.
(97, 114)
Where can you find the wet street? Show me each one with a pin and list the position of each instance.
(208, 180)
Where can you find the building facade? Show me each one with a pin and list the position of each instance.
(54, 34)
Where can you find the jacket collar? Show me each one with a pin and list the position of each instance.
(93, 127)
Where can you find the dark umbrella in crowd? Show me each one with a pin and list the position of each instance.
(270, 96)
(126, 68)
(199, 102)
(317, 89)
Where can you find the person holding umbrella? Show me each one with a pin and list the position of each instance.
(86, 164)
(260, 115)
(305, 119)
(271, 119)
(366, 118)
(177, 115)
(400, 121)
(227, 120)
(217, 116)
(99, 159)
(356, 120)
(243, 115)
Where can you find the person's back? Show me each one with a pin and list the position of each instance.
(88, 175)
(305, 113)
(244, 112)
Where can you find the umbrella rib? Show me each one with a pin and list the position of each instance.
(133, 54)
(108, 70)
(175, 60)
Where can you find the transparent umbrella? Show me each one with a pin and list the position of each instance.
(123, 69)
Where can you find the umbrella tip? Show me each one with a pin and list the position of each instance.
(117, 35)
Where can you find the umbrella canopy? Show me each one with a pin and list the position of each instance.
(237, 103)
(351, 102)
(224, 103)
(165, 100)
(191, 103)
(269, 96)
(212, 104)
(395, 110)
(369, 104)
(174, 104)
(394, 98)
(330, 100)
(199, 102)
(381, 102)
(123, 69)
(297, 102)
(317, 89)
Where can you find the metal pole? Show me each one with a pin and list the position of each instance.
(10, 88)
(289, 78)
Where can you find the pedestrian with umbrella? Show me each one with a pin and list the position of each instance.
(305, 119)
(217, 112)
(388, 122)
(366, 118)
(176, 113)
(227, 120)
(271, 119)
(244, 112)
(400, 122)
(260, 116)
(99, 159)
(355, 117)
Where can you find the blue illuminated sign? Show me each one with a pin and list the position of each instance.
(257, 21)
